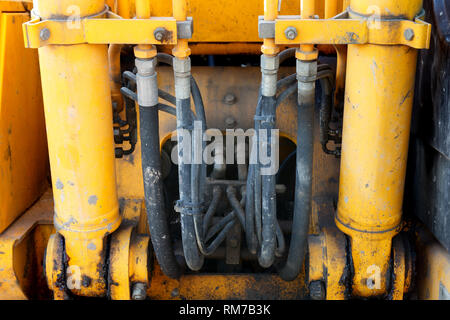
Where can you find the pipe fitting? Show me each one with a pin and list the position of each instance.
(269, 70)
(182, 74)
(146, 82)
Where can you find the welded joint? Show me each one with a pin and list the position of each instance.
(269, 70)
(146, 82)
(182, 75)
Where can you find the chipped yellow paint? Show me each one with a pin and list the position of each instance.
(78, 117)
(377, 114)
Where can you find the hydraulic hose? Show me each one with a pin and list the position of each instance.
(268, 196)
(147, 97)
(188, 174)
(306, 71)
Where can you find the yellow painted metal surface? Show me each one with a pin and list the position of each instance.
(99, 31)
(128, 258)
(328, 262)
(377, 114)
(23, 147)
(22, 248)
(78, 117)
(354, 31)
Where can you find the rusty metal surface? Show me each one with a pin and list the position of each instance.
(224, 287)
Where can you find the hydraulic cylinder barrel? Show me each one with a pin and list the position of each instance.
(78, 116)
(378, 101)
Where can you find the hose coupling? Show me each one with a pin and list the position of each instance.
(269, 70)
(182, 74)
(146, 82)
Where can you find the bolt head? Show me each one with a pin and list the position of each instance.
(159, 34)
(139, 292)
(317, 290)
(175, 293)
(230, 122)
(409, 34)
(229, 98)
(44, 34)
(290, 33)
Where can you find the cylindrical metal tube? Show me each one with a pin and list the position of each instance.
(78, 117)
(379, 95)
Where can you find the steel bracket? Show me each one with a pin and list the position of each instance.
(104, 28)
(344, 30)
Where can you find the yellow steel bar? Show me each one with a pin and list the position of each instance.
(377, 114)
(181, 50)
(78, 117)
(270, 14)
(353, 31)
(99, 31)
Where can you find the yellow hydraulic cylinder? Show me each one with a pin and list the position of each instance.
(78, 116)
(378, 102)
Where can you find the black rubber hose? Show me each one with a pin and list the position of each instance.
(325, 110)
(194, 259)
(251, 237)
(266, 255)
(153, 189)
(217, 193)
(303, 186)
(286, 54)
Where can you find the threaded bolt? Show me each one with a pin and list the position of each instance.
(290, 33)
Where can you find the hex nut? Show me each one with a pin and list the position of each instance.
(160, 34)
(290, 33)
(182, 65)
(44, 34)
(270, 63)
(409, 34)
(306, 68)
(146, 66)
